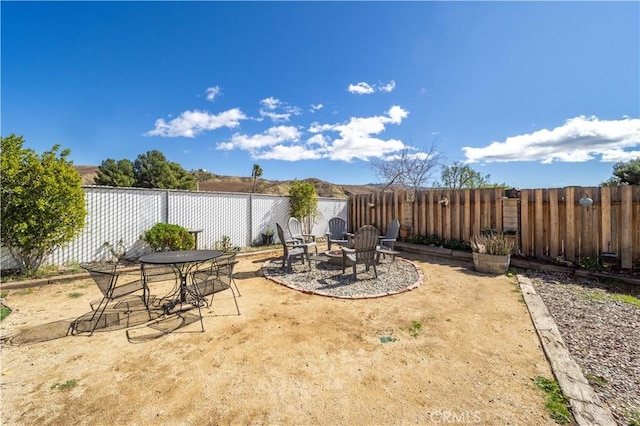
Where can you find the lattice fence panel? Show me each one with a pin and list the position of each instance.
(118, 217)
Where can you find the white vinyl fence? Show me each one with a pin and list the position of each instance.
(120, 216)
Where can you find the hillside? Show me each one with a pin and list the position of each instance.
(245, 184)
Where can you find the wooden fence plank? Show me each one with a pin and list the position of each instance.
(538, 226)
(554, 223)
(570, 242)
(524, 222)
(626, 255)
(605, 219)
(466, 224)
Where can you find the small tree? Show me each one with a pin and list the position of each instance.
(303, 202)
(462, 176)
(115, 173)
(625, 173)
(43, 204)
(152, 170)
(256, 173)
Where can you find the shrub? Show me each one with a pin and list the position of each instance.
(43, 205)
(165, 236)
(493, 243)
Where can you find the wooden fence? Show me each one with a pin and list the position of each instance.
(549, 222)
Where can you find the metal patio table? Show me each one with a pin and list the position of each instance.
(183, 261)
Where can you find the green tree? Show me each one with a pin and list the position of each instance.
(462, 176)
(42, 202)
(256, 173)
(303, 203)
(202, 175)
(625, 173)
(115, 173)
(152, 170)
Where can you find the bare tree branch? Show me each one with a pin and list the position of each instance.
(411, 168)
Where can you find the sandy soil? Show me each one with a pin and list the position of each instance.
(289, 358)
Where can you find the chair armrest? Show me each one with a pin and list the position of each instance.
(348, 250)
(313, 237)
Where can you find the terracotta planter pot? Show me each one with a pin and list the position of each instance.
(405, 233)
(491, 263)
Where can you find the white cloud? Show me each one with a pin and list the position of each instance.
(191, 123)
(388, 88)
(289, 153)
(271, 104)
(579, 139)
(212, 93)
(315, 108)
(356, 140)
(253, 143)
(361, 88)
(364, 88)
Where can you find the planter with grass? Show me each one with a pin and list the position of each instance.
(267, 237)
(491, 253)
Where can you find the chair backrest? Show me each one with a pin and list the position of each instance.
(295, 228)
(364, 242)
(224, 264)
(104, 275)
(158, 273)
(283, 241)
(393, 229)
(337, 228)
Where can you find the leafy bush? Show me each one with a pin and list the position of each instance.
(493, 243)
(456, 245)
(165, 236)
(43, 205)
(426, 240)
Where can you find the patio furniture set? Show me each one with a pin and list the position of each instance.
(196, 274)
(365, 246)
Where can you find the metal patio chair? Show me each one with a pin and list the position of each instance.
(217, 276)
(117, 290)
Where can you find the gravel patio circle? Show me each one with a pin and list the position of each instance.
(327, 279)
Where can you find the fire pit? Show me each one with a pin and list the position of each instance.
(335, 257)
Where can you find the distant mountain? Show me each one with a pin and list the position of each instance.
(245, 184)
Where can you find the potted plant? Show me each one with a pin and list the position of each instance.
(491, 253)
(267, 237)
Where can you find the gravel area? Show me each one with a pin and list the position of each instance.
(602, 334)
(328, 280)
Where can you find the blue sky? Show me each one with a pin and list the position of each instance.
(536, 94)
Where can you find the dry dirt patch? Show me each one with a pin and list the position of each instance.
(290, 358)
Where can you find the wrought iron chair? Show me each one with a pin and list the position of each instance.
(292, 250)
(362, 251)
(337, 232)
(297, 235)
(117, 290)
(218, 276)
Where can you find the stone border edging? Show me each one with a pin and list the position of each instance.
(410, 287)
(586, 407)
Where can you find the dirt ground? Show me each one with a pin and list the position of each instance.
(289, 358)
